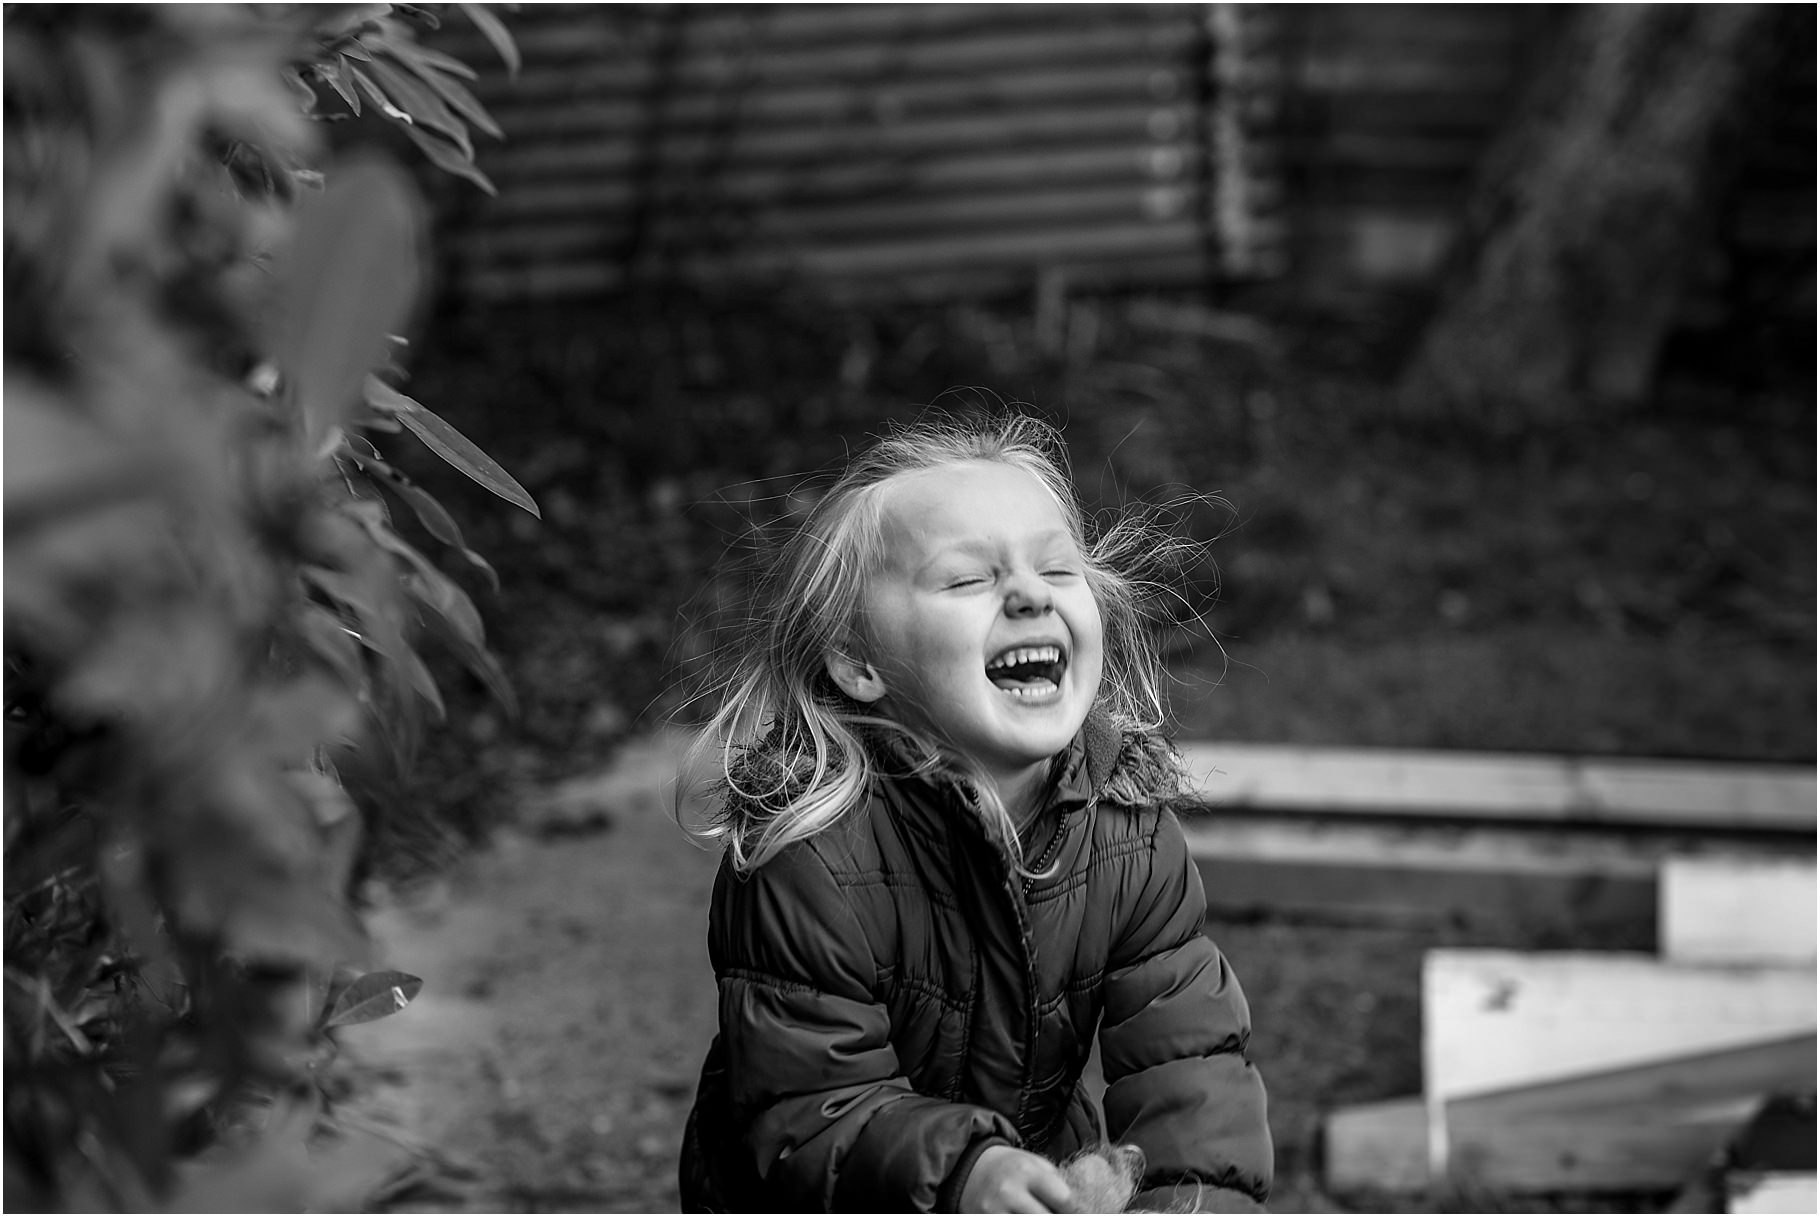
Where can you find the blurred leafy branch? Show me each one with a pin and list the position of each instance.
(209, 613)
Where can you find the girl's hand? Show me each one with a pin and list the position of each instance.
(1008, 1180)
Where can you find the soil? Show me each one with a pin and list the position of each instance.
(551, 1057)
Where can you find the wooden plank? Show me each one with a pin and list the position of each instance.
(1496, 1020)
(1738, 911)
(1647, 1127)
(1479, 876)
(1092, 260)
(800, 24)
(1030, 247)
(1065, 204)
(1509, 786)
(1775, 1192)
(541, 91)
(1733, 1078)
(1383, 1147)
(556, 182)
(554, 29)
(1140, 124)
(1067, 237)
(1043, 41)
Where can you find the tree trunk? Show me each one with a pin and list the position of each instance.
(1595, 209)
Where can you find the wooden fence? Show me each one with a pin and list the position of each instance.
(966, 149)
(938, 148)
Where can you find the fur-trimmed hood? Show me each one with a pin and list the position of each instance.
(1107, 762)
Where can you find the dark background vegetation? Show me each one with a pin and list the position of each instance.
(1637, 584)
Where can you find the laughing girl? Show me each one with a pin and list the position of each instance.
(952, 860)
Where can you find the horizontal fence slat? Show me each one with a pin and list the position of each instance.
(550, 29)
(1139, 125)
(1083, 167)
(1151, 203)
(624, 120)
(985, 248)
(539, 90)
(1046, 39)
(1489, 785)
(999, 216)
(585, 276)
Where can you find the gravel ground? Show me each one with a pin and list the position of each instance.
(550, 1060)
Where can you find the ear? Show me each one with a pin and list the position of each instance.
(857, 680)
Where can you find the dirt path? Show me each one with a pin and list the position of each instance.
(550, 1060)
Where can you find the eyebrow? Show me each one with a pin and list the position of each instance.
(969, 547)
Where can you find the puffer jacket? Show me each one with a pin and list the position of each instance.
(894, 999)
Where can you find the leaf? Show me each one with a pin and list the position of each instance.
(348, 279)
(452, 91)
(451, 445)
(332, 643)
(453, 618)
(367, 84)
(336, 73)
(422, 104)
(430, 512)
(374, 625)
(373, 996)
(417, 14)
(430, 56)
(371, 515)
(306, 96)
(421, 680)
(438, 593)
(351, 19)
(496, 33)
(447, 157)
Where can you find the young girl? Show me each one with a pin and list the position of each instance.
(951, 859)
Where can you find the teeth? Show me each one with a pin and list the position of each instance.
(1043, 654)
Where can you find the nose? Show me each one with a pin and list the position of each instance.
(1028, 595)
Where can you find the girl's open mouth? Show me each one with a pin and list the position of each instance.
(1028, 671)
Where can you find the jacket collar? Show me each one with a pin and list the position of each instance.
(1083, 770)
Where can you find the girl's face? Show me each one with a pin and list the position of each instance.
(981, 623)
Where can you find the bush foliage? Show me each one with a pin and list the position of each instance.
(209, 613)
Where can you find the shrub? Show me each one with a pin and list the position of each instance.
(208, 610)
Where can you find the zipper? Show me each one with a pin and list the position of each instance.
(1052, 849)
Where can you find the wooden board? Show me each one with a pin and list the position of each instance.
(1354, 868)
(1775, 1192)
(1383, 1147)
(1495, 1020)
(1488, 785)
(1491, 877)
(1716, 910)
(1646, 1127)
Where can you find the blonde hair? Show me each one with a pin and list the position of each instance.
(787, 747)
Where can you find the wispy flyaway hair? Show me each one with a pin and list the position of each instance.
(788, 748)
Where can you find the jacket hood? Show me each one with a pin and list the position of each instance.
(1107, 761)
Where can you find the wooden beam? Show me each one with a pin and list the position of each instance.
(1729, 910)
(1495, 1020)
(1651, 1126)
(1510, 786)
(1383, 1147)
(1471, 875)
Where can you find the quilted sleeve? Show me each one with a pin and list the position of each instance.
(1173, 1039)
(828, 1119)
